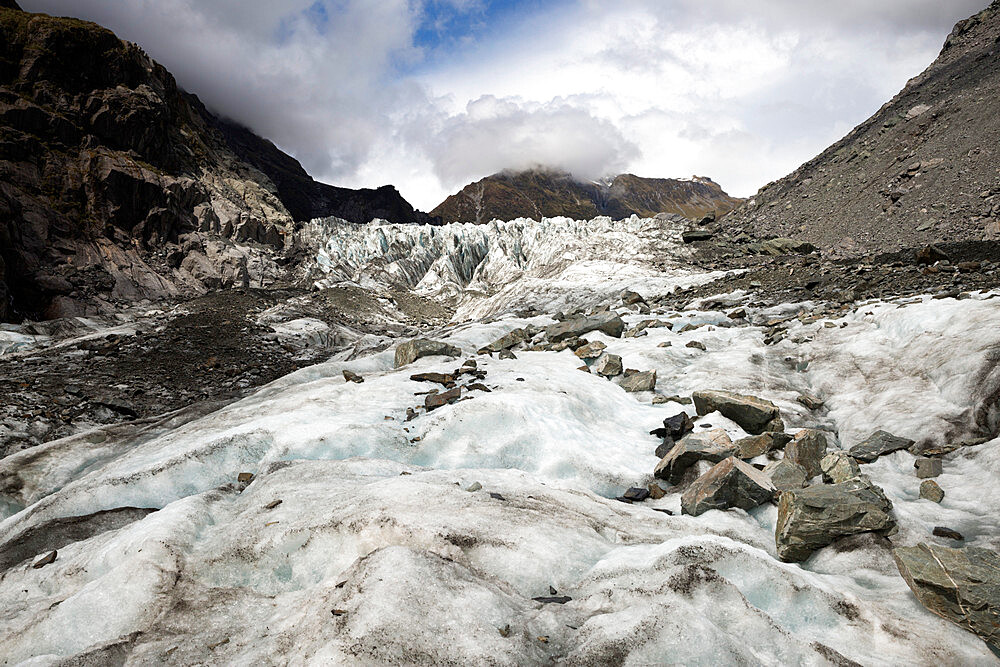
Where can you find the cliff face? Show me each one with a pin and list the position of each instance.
(544, 193)
(107, 167)
(924, 168)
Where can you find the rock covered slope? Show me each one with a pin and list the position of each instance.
(542, 193)
(528, 491)
(924, 168)
(107, 169)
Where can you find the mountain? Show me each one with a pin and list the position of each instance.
(924, 168)
(547, 193)
(109, 171)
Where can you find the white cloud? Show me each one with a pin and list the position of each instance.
(742, 92)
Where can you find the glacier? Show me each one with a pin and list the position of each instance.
(365, 538)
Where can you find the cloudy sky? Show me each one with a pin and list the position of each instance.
(431, 94)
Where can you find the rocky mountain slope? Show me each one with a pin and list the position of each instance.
(542, 193)
(924, 168)
(109, 172)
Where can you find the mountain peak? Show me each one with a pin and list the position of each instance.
(546, 192)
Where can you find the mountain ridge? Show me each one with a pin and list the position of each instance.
(922, 169)
(544, 192)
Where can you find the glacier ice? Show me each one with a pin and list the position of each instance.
(377, 551)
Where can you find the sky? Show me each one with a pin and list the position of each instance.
(430, 95)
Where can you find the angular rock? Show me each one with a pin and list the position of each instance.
(352, 377)
(755, 445)
(785, 474)
(591, 350)
(434, 401)
(931, 254)
(636, 494)
(730, 483)
(961, 585)
(786, 246)
(807, 449)
(608, 365)
(47, 559)
(696, 235)
(942, 531)
(608, 322)
(674, 427)
(839, 467)
(877, 444)
(927, 467)
(811, 518)
(712, 446)
(644, 381)
(505, 342)
(931, 490)
(754, 415)
(438, 378)
(655, 492)
(507, 354)
(810, 401)
(697, 345)
(410, 351)
(629, 297)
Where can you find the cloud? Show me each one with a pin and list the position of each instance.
(494, 134)
(432, 94)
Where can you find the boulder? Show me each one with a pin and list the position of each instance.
(931, 254)
(677, 426)
(410, 351)
(839, 467)
(437, 378)
(636, 494)
(807, 449)
(712, 446)
(961, 585)
(351, 376)
(434, 401)
(948, 533)
(608, 365)
(927, 467)
(730, 483)
(693, 235)
(607, 322)
(754, 415)
(877, 444)
(590, 350)
(785, 474)
(931, 490)
(644, 381)
(755, 445)
(810, 401)
(811, 518)
(697, 345)
(629, 297)
(786, 246)
(505, 342)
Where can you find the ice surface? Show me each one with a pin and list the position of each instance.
(378, 553)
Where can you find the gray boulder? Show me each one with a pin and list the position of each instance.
(811, 518)
(927, 467)
(785, 474)
(754, 415)
(644, 381)
(807, 449)
(877, 444)
(755, 445)
(730, 483)
(961, 585)
(410, 351)
(712, 446)
(931, 490)
(607, 322)
(839, 467)
(608, 365)
(590, 350)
